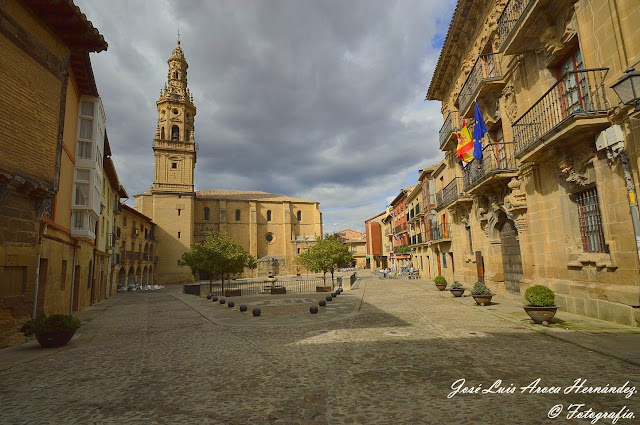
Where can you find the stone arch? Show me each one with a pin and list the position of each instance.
(131, 276)
(122, 277)
(509, 241)
(175, 133)
(151, 279)
(145, 274)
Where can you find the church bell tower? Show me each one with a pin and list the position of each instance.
(174, 147)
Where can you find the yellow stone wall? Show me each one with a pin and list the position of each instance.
(538, 195)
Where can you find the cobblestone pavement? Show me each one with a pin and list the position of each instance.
(161, 357)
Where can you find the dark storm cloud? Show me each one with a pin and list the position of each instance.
(316, 99)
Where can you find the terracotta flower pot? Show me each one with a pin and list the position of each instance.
(457, 292)
(441, 286)
(483, 299)
(541, 314)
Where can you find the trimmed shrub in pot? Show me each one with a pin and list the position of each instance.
(441, 282)
(541, 306)
(53, 331)
(456, 289)
(481, 294)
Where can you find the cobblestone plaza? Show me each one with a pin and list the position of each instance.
(387, 352)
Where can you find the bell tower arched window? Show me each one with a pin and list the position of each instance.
(299, 215)
(175, 133)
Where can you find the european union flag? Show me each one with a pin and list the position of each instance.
(479, 130)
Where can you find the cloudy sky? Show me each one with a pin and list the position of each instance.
(321, 100)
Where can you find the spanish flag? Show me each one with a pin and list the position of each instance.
(464, 150)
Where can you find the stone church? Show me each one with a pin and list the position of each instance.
(272, 228)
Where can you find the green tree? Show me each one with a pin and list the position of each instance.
(218, 254)
(326, 256)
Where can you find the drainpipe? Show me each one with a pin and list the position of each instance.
(633, 201)
(37, 283)
(73, 278)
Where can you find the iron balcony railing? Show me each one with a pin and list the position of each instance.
(451, 192)
(117, 232)
(129, 255)
(150, 237)
(440, 231)
(111, 240)
(487, 67)
(146, 257)
(496, 158)
(416, 239)
(439, 201)
(136, 255)
(451, 124)
(509, 18)
(576, 93)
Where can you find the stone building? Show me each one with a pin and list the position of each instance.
(549, 201)
(375, 233)
(401, 254)
(272, 228)
(51, 150)
(137, 249)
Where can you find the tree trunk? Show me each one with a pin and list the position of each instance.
(324, 278)
(333, 285)
(210, 284)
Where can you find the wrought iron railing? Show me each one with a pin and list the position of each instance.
(129, 255)
(496, 157)
(440, 231)
(136, 255)
(451, 192)
(451, 124)
(576, 93)
(509, 18)
(487, 67)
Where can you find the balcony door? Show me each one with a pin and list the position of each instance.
(572, 89)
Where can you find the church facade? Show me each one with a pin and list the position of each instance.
(272, 228)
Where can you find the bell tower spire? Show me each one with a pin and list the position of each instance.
(174, 146)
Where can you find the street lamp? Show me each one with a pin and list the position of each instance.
(628, 88)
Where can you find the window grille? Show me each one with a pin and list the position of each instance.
(590, 221)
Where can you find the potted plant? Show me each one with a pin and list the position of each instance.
(456, 289)
(481, 294)
(441, 282)
(53, 331)
(541, 306)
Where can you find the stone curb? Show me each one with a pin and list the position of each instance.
(561, 334)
